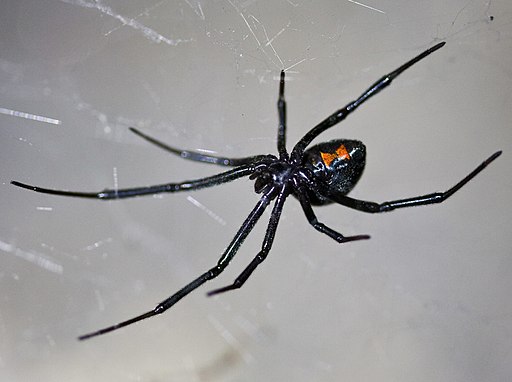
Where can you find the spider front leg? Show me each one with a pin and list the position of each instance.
(320, 227)
(107, 194)
(435, 197)
(265, 248)
(212, 273)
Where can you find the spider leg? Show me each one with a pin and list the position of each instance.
(342, 113)
(222, 263)
(188, 185)
(198, 157)
(320, 227)
(265, 248)
(435, 197)
(281, 130)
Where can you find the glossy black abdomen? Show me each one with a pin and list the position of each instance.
(337, 165)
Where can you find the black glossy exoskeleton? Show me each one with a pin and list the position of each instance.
(323, 174)
(338, 164)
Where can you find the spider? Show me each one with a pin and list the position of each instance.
(321, 174)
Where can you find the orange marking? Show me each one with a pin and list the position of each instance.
(341, 152)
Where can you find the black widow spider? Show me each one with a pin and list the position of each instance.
(322, 174)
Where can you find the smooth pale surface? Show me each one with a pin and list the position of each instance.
(426, 299)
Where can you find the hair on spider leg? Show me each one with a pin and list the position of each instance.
(321, 174)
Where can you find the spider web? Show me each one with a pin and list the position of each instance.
(423, 300)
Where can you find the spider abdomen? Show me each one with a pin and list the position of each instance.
(337, 165)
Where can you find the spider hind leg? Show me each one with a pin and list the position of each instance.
(432, 198)
(320, 227)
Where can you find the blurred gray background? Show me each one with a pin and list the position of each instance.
(426, 299)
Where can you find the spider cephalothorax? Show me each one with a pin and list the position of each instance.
(278, 173)
(322, 174)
